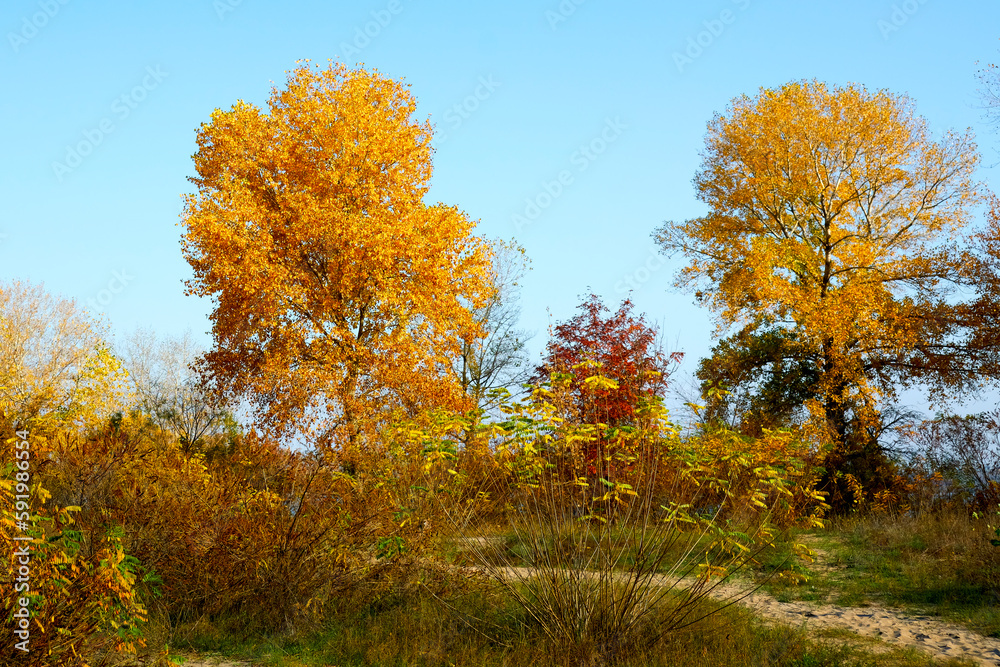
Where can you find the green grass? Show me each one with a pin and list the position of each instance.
(932, 564)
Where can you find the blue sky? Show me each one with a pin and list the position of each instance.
(518, 90)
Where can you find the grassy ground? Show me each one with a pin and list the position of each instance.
(932, 564)
(938, 564)
(476, 624)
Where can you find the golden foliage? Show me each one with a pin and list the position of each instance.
(82, 594)
(53, 362)
(339, 294)
(832, 214)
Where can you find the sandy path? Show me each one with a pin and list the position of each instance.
(942, 640)
(213, 661)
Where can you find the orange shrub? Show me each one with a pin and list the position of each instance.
(82, 603)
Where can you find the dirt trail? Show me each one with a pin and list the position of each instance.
(212, 661)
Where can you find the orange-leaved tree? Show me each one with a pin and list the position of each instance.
(833, 217)
(340, 296)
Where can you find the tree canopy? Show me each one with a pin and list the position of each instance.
(340, 297)
(835, 222)
(627, 351)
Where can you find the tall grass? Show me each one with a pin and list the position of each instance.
(609, 556)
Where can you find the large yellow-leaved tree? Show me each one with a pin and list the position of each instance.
(834, 225)
(340, 296)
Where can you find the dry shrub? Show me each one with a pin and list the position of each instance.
(83, 603)
(226, 526)
(257, 536)
(611, 528)
(262, 535)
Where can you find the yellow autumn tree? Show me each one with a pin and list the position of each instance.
(58, 382)
(55, 366)
(833, 223)
(340, 297)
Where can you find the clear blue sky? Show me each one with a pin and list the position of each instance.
(551, 78)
